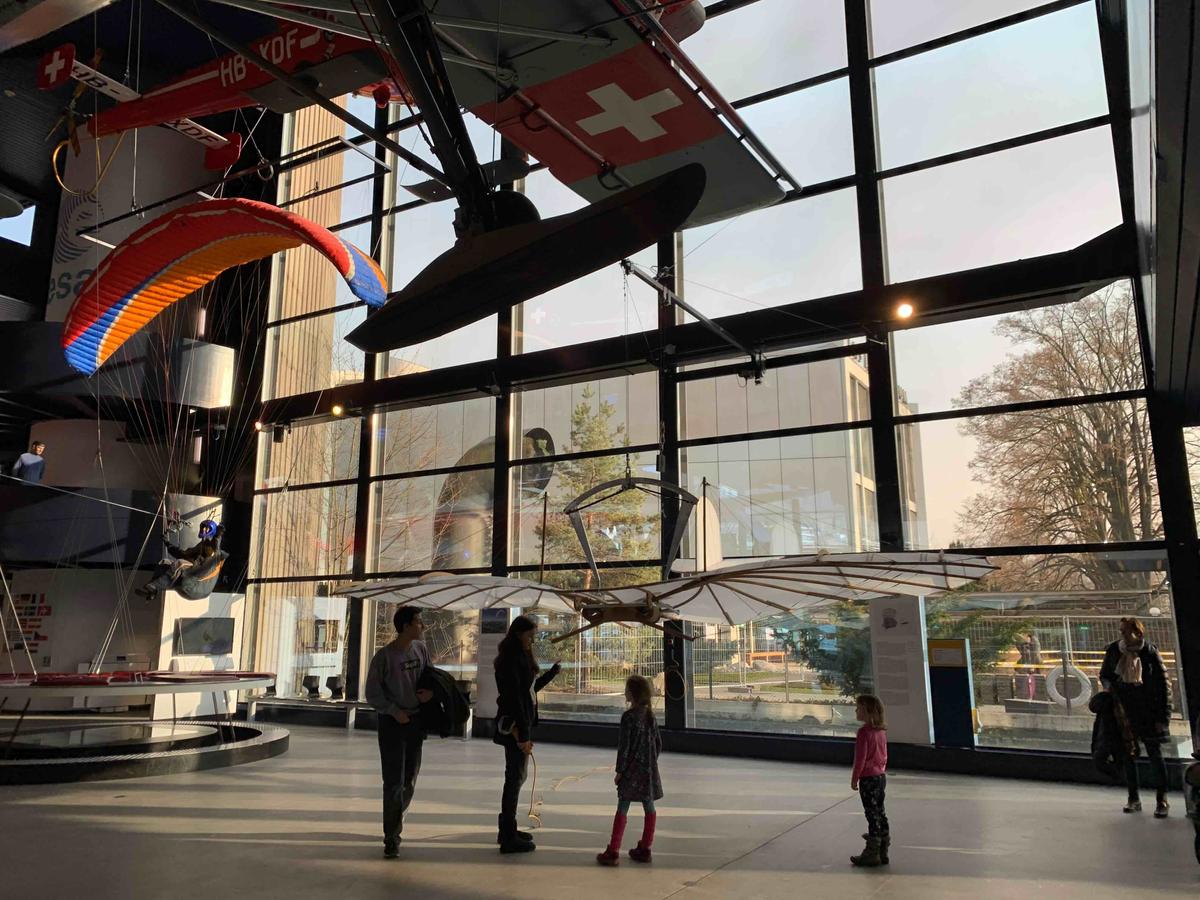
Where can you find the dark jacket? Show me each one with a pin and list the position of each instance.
(447, 712)
(1146, 705)
(517, 702)
(1109, 748)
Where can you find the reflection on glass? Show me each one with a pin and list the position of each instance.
(821, 393)
(625, 527)
(787, 42)
(1038, 629)
(809, 130)
(1018, 80)
(437, 437)
(436, 522)
(896, 24)
(452, 639)
(1086, 347)
(1078, 474)
(1030, 201)
(771, 257)
(782, 496)
(326, 451)
(313, 354)
(789, 674)
(305, 532)
(297, 631)
(590, 415)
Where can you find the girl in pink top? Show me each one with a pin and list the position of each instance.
(869, 778)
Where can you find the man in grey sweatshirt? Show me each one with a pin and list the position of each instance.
(392, 692)
(30, 466)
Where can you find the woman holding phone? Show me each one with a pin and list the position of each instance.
(518, 679)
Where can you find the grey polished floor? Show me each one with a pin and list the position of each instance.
(304, 825)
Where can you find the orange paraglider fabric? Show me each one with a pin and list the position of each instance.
(181, 252)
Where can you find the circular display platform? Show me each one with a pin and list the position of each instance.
(75, 740)
(107, 751)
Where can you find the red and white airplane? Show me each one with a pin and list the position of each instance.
(597, 90)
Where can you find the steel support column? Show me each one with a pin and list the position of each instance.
(874, 273)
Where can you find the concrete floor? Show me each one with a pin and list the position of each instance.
(306, 825)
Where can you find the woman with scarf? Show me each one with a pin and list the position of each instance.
(1133, 671)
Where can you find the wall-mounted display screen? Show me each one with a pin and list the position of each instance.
(203, 637)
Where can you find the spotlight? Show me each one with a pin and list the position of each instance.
(904, 311)
(277, 434)
(337, 409)
(259, 426)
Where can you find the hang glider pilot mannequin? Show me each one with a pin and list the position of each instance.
(191, 572)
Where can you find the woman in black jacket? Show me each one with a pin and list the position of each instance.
(517, 681)
(1133, 671)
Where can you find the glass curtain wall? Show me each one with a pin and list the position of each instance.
(1023, 434)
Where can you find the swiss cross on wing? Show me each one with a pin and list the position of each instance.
(628, 108)
(56, 67)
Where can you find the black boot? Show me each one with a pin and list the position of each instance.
(869, 858)
(885, 843)
(509, 842)
(521, 835)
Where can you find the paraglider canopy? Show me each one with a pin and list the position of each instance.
(182, 251)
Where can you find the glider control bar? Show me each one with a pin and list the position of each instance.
(669, 296)
(304, 89)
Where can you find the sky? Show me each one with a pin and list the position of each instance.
(1024, 202)
(18, 228)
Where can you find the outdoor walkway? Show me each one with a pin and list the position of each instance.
(305, 825)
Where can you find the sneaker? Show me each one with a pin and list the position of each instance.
(391, 848)
(1133, 806)
(1161, 809)
(640, 854)
(609, 857)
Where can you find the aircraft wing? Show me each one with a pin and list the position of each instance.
(604, 113)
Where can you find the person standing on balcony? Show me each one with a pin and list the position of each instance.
(518, 679)
(1133, 671)
(31, 466)
(392, 692)
(1029, 649)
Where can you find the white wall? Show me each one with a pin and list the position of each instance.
(74, 448)
(79, 605)
(176, 607)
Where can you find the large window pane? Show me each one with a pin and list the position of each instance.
(1040, 616)
(313, 354)
(603, 304)
(790, 674)
(820, 393)
(809, 130)
(1087, 347)
(304, 533)
(436, 522)
(790, 42)
(297, 631)
(595, 664)
(452, 639)
(1034, 200)
(782, 254)
(1075, 474)
(624, 527)
(896, 24)
(326, 451)
(783, 495)
(588, 415)
(437, 437)
(1014, 81)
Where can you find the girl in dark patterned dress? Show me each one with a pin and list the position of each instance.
(637, 772)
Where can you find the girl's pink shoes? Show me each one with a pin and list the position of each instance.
(609, 857)
(640, 854)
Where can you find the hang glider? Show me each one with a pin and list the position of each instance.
(180, 252)
(730, 596)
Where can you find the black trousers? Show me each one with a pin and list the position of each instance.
(872, 789)
(1157, 764)
(516, 763)
(400, 759)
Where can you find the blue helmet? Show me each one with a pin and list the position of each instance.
(208, 529)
